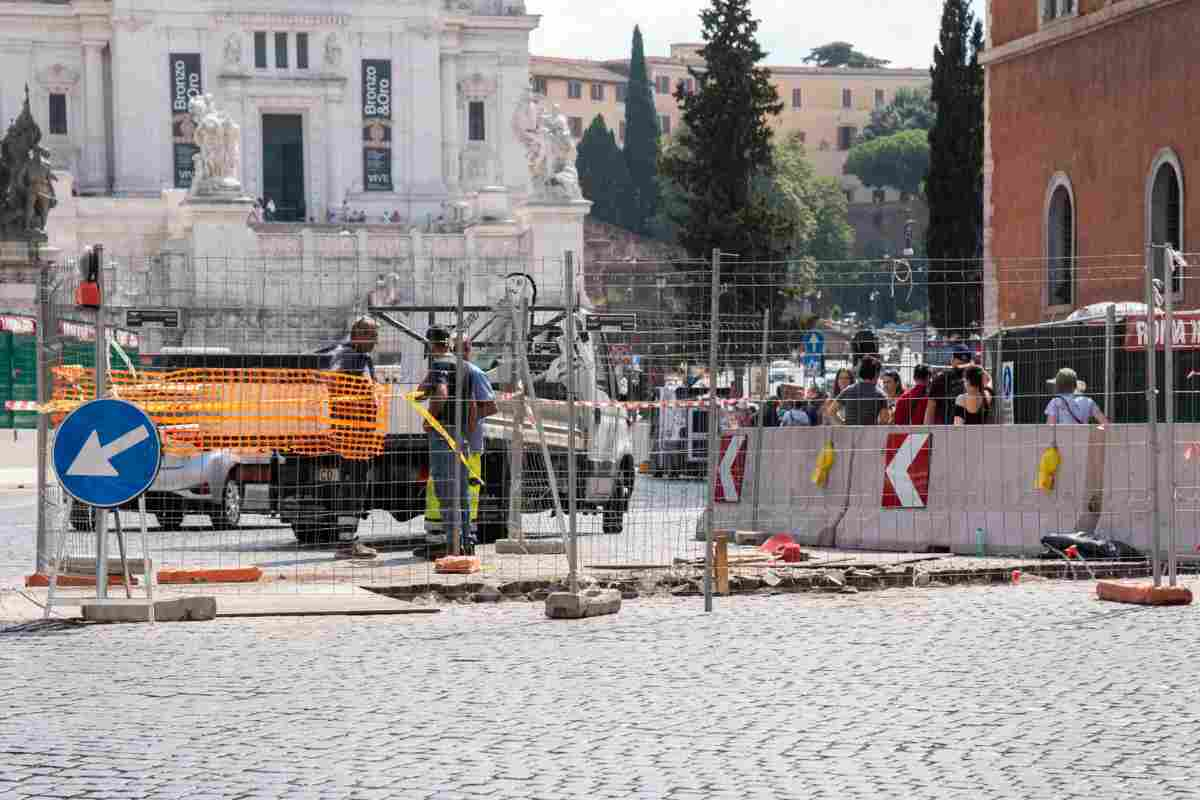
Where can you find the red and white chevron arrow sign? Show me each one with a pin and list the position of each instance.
(906, 460)
(731, 468)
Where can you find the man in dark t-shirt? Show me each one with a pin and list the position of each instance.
(864, 403)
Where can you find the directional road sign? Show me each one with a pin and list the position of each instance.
(814, 348)
(106, 453)
(906, 461)
(731, 468)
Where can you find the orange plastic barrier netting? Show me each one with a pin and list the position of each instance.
(310, 412)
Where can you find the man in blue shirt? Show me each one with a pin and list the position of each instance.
(441, 387)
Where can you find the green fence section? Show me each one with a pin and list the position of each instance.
(18, 371)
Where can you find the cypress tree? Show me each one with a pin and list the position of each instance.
(641, 142)
(954, 186)
(603, 176)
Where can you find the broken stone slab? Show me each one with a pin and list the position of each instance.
(589, 603)
(183, 609)
(530, 547)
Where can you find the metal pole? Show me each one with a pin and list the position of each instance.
(760, 433)
(1110, 368)
(456, 530)
(1152, 418)
(713, 426)
(43, 420)
(101, 515)
(572, 467)
(1169, 382)
(516, 452)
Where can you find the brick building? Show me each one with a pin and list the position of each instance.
(1091, 133)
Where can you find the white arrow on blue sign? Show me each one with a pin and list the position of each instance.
(106, 453)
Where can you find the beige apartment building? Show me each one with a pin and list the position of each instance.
(828, 107)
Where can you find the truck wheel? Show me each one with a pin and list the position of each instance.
(230, 513)
(83, 518)
(170, 520)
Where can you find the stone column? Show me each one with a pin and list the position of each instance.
(94, 178)
(450, 140)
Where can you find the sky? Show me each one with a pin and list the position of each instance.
(903, 31)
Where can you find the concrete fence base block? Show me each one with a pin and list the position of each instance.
(751, 538)
(588, 603)
(183, 609)
(530, 547)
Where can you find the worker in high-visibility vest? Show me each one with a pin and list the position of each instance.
(441, 388)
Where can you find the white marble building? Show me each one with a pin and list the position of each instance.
(105, 79)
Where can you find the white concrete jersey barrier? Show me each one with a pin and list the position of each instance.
(978, 477)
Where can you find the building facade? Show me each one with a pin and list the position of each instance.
(381, 106)
(827, 107)
(1091, 109)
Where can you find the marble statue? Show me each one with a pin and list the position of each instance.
(233, 50)
(26, 180)
(550, 148)
(219, 138)
(333, 51)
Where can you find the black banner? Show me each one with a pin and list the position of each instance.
(186, 83)
(377, 124)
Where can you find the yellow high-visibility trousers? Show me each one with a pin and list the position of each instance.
(433, 507)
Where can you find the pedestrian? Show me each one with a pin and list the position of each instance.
(270, 210)
(1070, 406)
(973, 405)
(795, 415)
(773, 409)
(891, 385)
(910, 406)
(352, 355)
(946, 386)
(864, 403)
(842, 381)
(441, 387)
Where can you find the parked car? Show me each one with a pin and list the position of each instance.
(221, 484)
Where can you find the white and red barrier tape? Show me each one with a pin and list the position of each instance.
(640, 405)
(20, 405)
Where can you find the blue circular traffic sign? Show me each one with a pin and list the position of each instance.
(107, 452)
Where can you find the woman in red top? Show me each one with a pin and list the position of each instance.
(910, 406)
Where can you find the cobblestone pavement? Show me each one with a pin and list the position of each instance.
(1034, 691)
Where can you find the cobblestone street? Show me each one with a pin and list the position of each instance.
(1037, 691)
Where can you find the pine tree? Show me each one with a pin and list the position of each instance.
(954, 186)
(641, 142)
(603, 176)
(725, 146)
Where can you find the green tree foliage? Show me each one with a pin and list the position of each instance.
(954, 186)
(725, 144)
(899, 161)
(641, 142)
(603, 176)
(843, 54)
(910, 110)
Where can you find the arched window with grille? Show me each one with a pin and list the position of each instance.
(1059, 238)
(1164, 210)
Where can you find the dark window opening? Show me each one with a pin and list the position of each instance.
(58, 114)
(476, 131)
(281, 48)
(301, 51)
(260, 50)
(1166, 221)
(1061, 255)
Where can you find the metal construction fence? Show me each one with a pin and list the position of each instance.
(644, 424)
